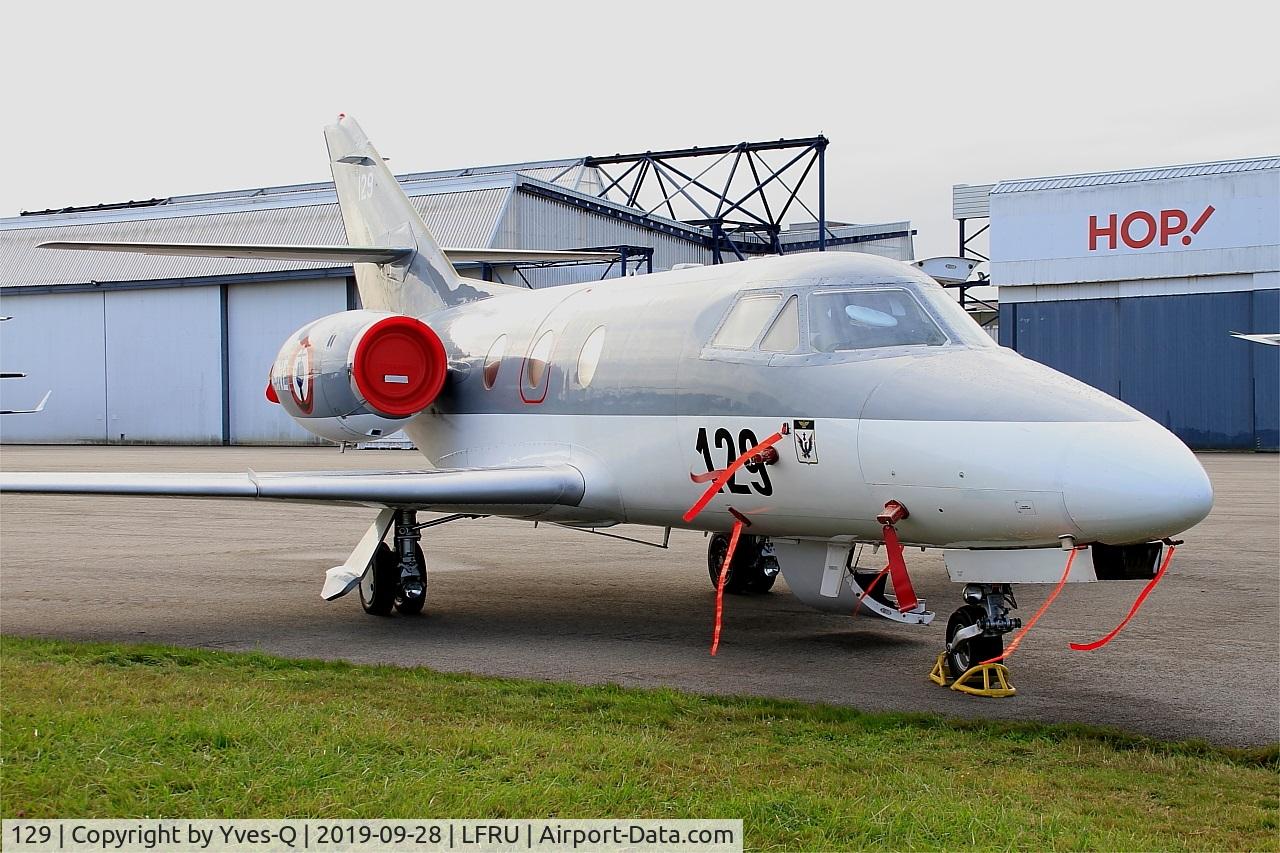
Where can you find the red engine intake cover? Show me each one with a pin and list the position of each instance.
(399, 366)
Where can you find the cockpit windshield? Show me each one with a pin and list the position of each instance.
(842, 320)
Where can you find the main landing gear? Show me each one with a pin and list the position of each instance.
(975, 633)
(752, 570)
(397, 578)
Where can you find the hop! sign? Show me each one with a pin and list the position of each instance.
(1140, 229)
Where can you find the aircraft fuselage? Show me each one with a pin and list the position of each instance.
(986, 448)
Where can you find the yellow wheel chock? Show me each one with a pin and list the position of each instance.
(986, 679)
(938, 675)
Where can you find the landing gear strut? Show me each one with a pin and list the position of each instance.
(397, 578)
(753, 568)
(975, 633)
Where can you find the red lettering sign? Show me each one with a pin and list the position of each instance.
(1095, 232)
(1127, 232)
(1140, 229)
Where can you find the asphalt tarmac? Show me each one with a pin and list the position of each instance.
(1201, 660)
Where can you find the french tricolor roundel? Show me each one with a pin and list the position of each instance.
(300, 378)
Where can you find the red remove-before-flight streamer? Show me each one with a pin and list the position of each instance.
(721, 478)
(1017, 639)
(1142, 596)
(724, 575)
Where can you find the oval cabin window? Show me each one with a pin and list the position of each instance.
(538, 364)
(493, 361)
(590, 356)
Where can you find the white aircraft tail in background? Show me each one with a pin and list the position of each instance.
(39, 407)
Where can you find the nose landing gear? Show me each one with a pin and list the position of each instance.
(975, 633)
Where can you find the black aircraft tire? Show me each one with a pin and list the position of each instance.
(763, 574)
(976, 649)
(412, 606)
(746, 572)
(378, 586)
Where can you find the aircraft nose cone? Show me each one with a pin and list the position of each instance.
(1133, 482)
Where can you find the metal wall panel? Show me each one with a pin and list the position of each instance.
(1266, 370)
(535, 222)
(57, 340)
(896, 248)
(971, 201)
(260, 318)
(538, 223)
(163, 359)
(1081, 339)
(1181, 367)
(1170, 357)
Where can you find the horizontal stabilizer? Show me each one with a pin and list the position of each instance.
(339, 254)
(524, 256)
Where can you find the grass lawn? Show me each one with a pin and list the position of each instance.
(126, 731)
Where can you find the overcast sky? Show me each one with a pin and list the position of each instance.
(113, 101)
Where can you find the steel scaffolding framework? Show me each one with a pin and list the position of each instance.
(725, 189)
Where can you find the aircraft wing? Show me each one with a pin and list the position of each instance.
(337, 254)
(527, 486)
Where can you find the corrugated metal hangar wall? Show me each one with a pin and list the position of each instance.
(1134, 281)
(145, 349)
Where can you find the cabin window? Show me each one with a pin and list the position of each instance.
(538, 364)
(493, 361)
(784, 334)
(845, 320)
(745, 322)
(590, 356)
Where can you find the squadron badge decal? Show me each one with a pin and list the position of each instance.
(806, 442)
(302, 380)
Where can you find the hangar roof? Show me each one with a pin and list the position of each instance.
(1157, 173)
(462, 207)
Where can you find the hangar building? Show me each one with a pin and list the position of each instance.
(146, 349)
(1133, 281)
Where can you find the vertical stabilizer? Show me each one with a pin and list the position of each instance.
(376, 212)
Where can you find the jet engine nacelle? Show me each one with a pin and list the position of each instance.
(358, 374)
